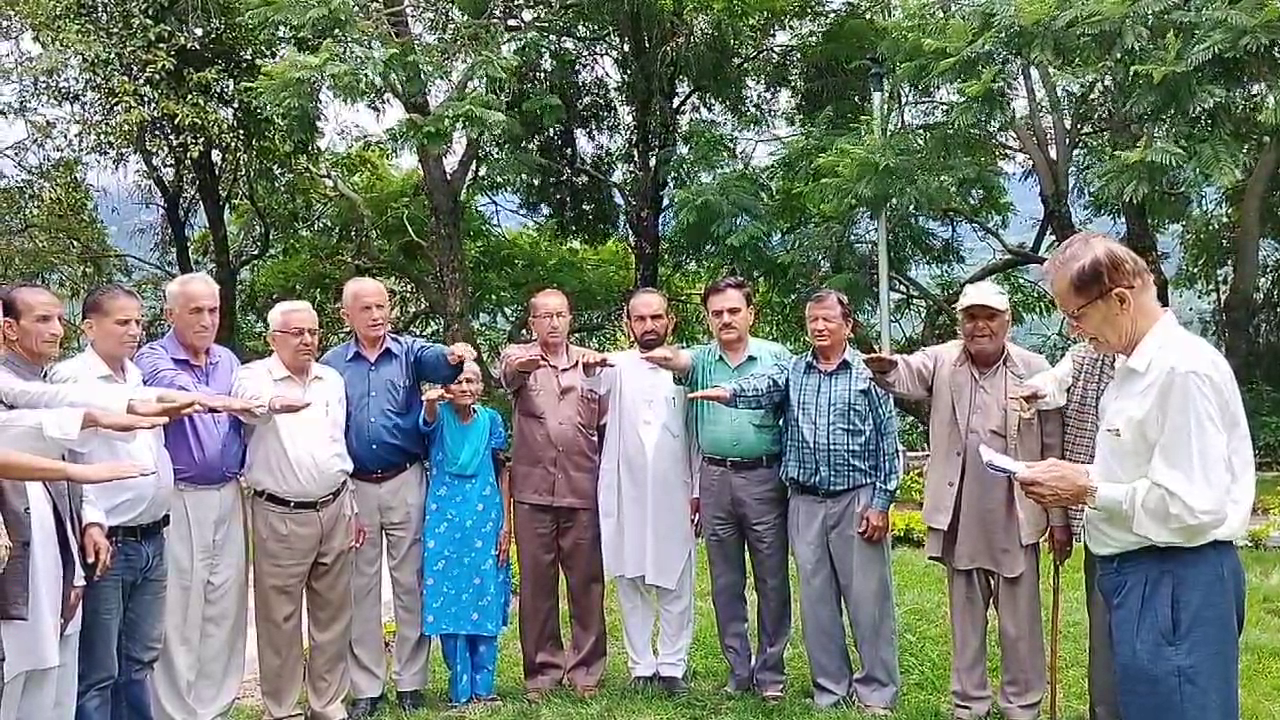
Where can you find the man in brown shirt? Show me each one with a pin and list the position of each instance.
(555, 463)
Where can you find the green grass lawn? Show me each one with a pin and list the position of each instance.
(924, 652)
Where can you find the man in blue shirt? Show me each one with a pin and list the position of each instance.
(841, 464)
(383, 375)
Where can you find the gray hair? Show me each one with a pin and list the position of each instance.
(277, 312)
(349, 287)
(174, 287)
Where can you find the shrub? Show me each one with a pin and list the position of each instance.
(907, 528)
(1259, 537)
(911, 487)
(1267, 504)
(1262, 403)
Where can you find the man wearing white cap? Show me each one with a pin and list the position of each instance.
(982, 527)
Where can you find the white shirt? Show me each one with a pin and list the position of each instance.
(32, 644)
(647, 473)
(1174, 463)
(302, 455)
(135, 501)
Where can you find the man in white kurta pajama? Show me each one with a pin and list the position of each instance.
(648, 493)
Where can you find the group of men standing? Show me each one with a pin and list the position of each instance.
(619, 463)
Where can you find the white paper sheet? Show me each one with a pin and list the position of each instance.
(999, 463)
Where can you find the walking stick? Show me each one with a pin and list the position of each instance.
(1053, 640)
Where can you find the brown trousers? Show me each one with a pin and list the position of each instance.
(293, 550)
(550, 540)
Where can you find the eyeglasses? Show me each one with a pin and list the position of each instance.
(299, 333)
(561, 316)
(1079, 310)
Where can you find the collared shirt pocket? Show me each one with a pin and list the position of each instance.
(400, 394)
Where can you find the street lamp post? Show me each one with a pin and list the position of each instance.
(882, 224)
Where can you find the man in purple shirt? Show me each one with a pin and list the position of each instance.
(202, 661)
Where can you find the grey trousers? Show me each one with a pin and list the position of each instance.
(748, 508)
(1023, 678)
(1103, 703)
(838, 568)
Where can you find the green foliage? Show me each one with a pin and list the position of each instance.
(911, 486)
(1259, 536)
(907, 528)
(1262, 403)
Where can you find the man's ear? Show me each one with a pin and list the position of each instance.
(10, 329)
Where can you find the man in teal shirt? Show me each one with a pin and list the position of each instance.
(744, 504)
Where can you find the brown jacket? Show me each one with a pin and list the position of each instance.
(940, 375)
(15, 580)
(556, 419)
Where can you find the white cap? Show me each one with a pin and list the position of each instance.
(984, 293)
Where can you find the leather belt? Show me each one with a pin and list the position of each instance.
(287, 504)
(138, 532)
(823, 493)
(767, 461)
(380, 476)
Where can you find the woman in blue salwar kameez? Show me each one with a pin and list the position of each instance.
(466, 578)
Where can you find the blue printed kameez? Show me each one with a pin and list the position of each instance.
(466, 594)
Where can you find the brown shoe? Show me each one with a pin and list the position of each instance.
(586, 692)
(536, 695)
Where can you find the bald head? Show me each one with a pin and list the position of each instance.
(1105, 290)
(366, 309)
(549, 319)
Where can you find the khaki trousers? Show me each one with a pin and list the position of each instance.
(297, 550)
(1023, 678)
(206, 605)
(392, 509)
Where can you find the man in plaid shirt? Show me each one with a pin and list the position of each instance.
(1076, 385)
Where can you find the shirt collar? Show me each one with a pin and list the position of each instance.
(753, 350)
(96, 365)
(21, 367)
(177, 352)
(851, 356)
(390, 343)
(277, 370)
(1153, 342)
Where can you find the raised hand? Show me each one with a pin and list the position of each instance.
(461, 352)
(435, 395)
(880, 364)
(528, 363)
(165, 408)
(104, 472)
(227, 404)
(715, 394)
(122, 423)
(664, 357)
(283, 405)
(591, 359)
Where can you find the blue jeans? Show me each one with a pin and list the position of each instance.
(121, 632)
(1176, 619)
(473, 662)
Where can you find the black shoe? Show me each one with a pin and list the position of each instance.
(643, 682)
(363, 707)
(410, 700)
(673, 685)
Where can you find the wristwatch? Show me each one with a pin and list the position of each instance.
(1090, 493)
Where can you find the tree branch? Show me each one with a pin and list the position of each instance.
(470, 152)
(1033, 109)
(1061, 147)
(130, 256)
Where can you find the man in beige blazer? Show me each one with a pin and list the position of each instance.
(982, 527)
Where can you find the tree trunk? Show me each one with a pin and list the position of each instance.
(225, 272)
(1238, 307)
(1140, 239)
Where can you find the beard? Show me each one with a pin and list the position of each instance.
(651, 342)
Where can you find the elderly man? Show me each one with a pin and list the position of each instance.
(744, 502)
(841, 464)
(384, 373)
(555, 463)
(1076, 385)
(981, 527)
(303, 517)
(1168, 493)
(648, 497)
(201, 662)
(42, 585)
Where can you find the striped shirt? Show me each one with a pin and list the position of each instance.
(840, 430)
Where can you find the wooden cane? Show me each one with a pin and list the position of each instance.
(1053, 640)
